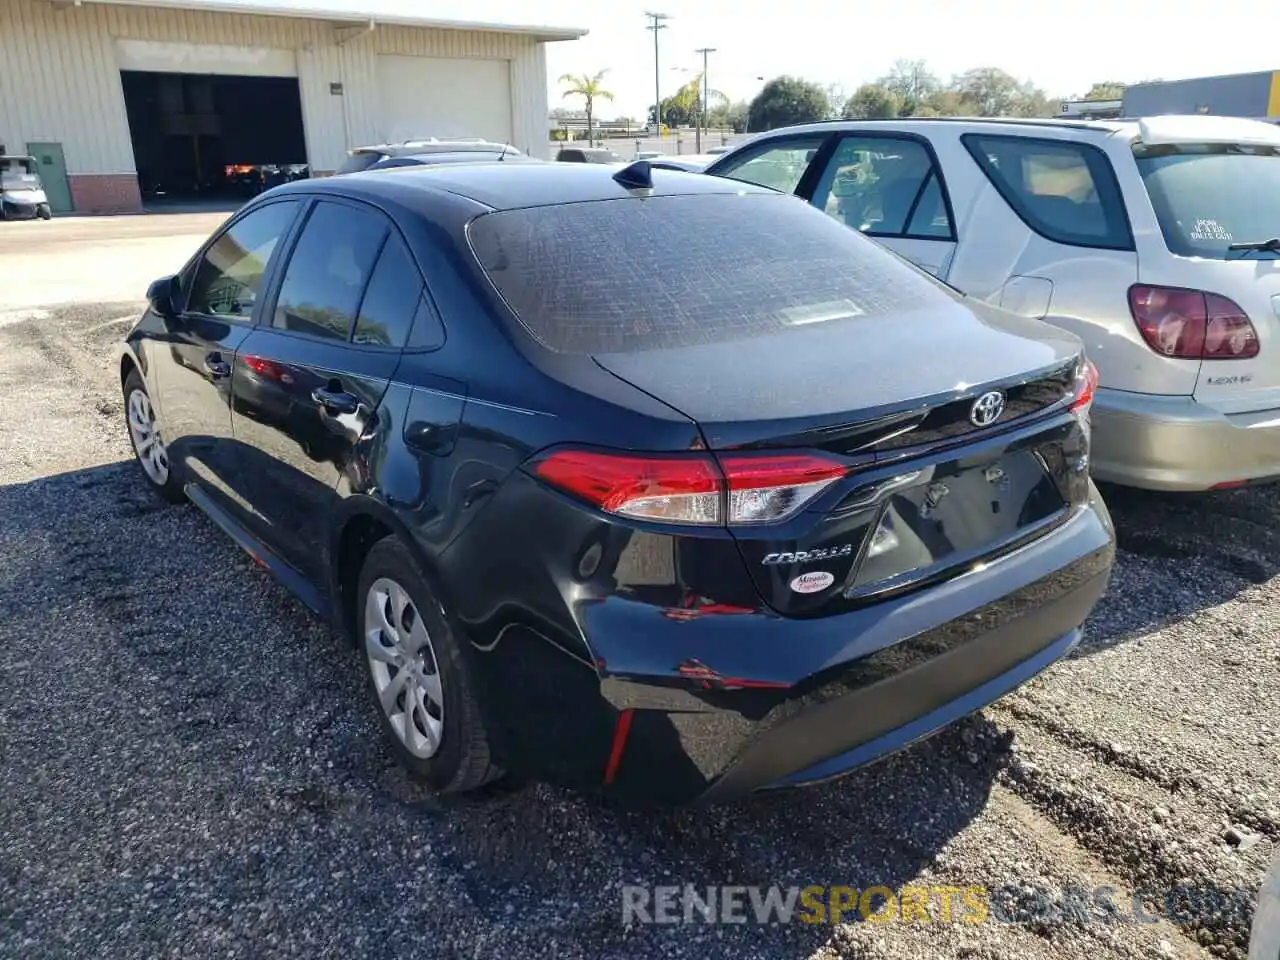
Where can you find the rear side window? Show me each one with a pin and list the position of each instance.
(1207, 197)
(328, 270)
(777, 164)
(629, 275)
(395, 290)
(1064, 191)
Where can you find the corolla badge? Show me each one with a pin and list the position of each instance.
(987, 408)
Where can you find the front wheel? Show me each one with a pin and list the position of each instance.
(148, 444)
(44, 212)
(421, 680)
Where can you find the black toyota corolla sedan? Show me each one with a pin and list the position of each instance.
(626, 478)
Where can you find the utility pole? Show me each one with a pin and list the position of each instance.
(706, 92)
(655, 26)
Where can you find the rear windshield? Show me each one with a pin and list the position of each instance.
(622, 276)
(1207, 197)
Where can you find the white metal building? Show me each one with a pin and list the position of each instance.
(107, 92)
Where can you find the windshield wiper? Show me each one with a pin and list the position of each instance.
(1271, 246)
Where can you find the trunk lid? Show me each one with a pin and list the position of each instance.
(928, 490)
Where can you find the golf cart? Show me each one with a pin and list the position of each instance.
(21, 192)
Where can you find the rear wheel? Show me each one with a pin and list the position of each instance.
(422, 684)
(148, 444)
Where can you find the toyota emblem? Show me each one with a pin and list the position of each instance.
(986, 409)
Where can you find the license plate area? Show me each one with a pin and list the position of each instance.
(958, 513)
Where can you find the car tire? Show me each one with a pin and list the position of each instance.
(44, 212)
(432, 718)
(148, 444)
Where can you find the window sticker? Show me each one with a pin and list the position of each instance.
(1210, 230)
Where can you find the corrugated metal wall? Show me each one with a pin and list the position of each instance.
(60, 81)
(1240, 95)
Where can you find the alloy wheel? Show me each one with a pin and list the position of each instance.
(403, 663)
(147, 442)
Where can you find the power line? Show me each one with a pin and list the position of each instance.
(655, 26)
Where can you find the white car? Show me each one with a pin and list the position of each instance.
(1156, 240)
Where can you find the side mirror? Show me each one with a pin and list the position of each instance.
(163, 297)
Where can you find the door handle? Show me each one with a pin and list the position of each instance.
(216, 367)
(335, 400)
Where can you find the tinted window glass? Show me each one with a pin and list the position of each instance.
(1064, 191)
(428, 331)
(629, 275)
(886, 186)
(228, 278)
(392, 298)
(328, 270)
(778, 164)
(1209, 197)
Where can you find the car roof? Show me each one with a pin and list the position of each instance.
(509, 186)
(1106, 126)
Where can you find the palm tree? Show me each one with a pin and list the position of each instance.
(588, 88)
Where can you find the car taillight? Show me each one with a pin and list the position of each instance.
(691, 488)
(1084, 387)
(1192, 324)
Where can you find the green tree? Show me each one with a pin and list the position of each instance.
(1106, 90)
(912, 83)
(588, 88)
(730, 115)
(993, 93)
(786, 100)
(873, 101)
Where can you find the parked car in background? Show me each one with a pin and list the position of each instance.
(677, 499)
(649, 155)
(452, 156)
(1156, 241)
(588, 155)
(362, 158)
(22, 195)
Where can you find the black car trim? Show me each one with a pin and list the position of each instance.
(811, 182)
(289, 577)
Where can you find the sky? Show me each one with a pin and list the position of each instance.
(1063, 48)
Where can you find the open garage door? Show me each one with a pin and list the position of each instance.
(211, 122)
(431, 97)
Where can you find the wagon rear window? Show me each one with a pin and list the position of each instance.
(640, 274)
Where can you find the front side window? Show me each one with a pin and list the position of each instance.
(1209, 196)
(1064, 191)
(229, 276)
(778, 164)
(884, 186)
(328, 270)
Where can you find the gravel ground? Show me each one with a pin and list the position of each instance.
(191, 766)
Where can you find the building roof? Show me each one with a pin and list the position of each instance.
(390, 12)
